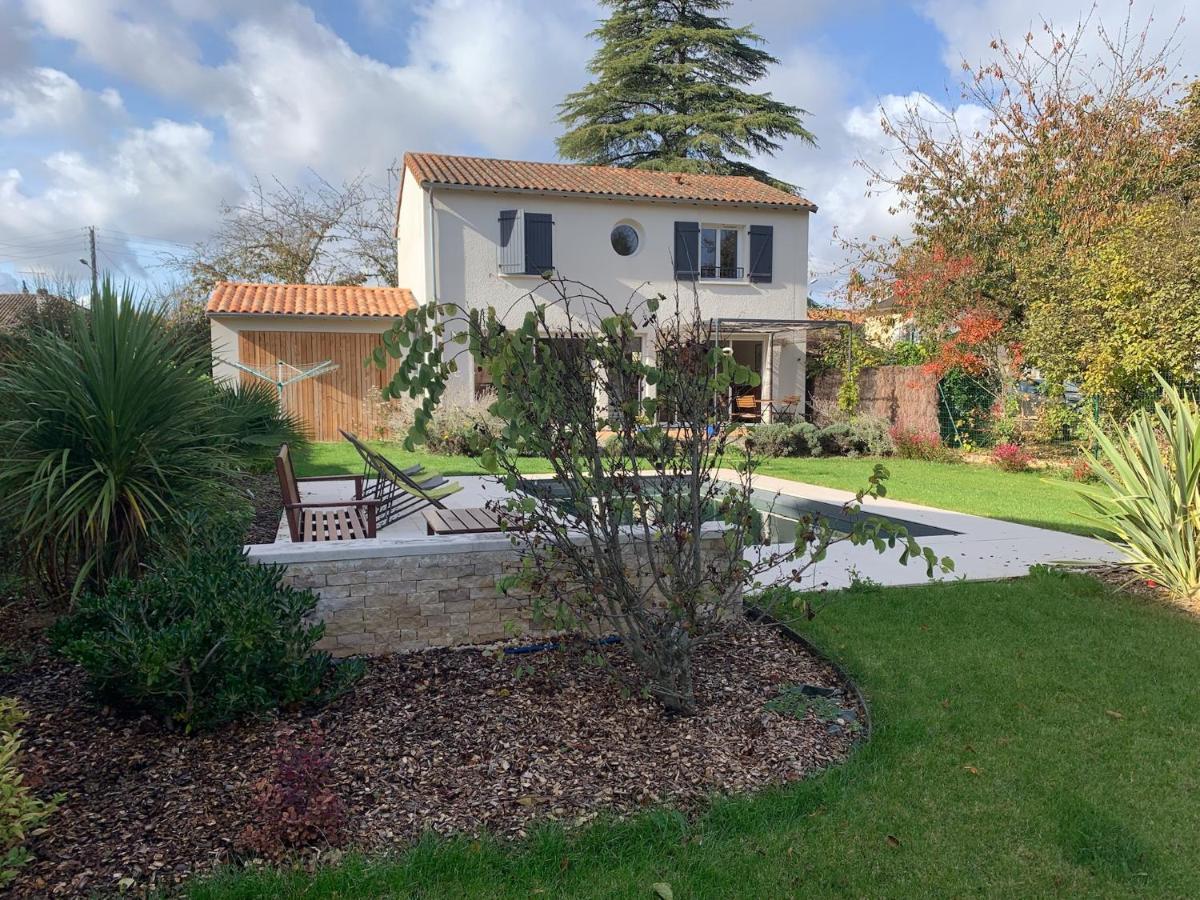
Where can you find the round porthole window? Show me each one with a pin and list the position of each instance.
(624, 240)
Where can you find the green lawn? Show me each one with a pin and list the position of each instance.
(1033, 738)
(1029, 498)
(341, 459)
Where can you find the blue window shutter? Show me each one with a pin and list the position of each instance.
(687, 250)
(510, 251)
(539, 243)
(762, 252)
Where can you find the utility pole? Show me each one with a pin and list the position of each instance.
(92, 256)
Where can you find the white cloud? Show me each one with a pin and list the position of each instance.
(310, 100)
(136, 39)
(49, 100)
(160, 181)
(969, 26)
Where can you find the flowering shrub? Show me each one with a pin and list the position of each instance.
(1011, 457)
(1081, 471)
(297, 805)
(455, 430)
(911, 444)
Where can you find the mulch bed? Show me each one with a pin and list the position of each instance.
(262, 488)
(450, 740)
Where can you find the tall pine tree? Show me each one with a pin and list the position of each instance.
(668, 94)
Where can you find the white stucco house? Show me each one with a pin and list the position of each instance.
(480, 232)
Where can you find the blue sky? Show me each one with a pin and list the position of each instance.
(141, 116)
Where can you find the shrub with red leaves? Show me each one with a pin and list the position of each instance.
(1011, 457)
(912, 444)
(1081, 471)
(297, 805)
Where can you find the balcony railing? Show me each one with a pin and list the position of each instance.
(725, 272)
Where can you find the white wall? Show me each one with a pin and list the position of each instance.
(412, 248)
(466, 229)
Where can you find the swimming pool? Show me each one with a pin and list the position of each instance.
(781, 513)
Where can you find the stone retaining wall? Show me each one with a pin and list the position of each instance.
(382, 597)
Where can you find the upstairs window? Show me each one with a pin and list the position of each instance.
(714, 252)
(526, 244)
(719, 252)
(624, 239)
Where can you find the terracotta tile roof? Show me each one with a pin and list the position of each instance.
(243, 298)
(605, 181)
(13, 308)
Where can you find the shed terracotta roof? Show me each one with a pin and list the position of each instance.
(243, 298)
(605, 181)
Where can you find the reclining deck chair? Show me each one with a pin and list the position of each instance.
(400, 491)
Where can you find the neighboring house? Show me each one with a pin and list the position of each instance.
(883, 324)
(15, 309)
(887, 323)
(480, 232)
(23, 308)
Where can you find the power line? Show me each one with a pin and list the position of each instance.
(43, 245)
(46, 235)
(143, 239)
(27, 257)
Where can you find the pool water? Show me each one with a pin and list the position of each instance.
(781, 513)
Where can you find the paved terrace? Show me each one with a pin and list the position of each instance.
(982, 549)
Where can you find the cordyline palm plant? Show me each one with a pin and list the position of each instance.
(1150, 495)
(251, 417)
(106, 437)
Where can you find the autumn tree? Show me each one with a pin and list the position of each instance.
(1130, 309)
(669, 93)
(1003, 212)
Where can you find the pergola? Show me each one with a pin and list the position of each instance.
(724, 328)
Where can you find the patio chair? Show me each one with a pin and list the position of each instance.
(400, 491)
(410, 495)
(370, 471)
(338, 520)
(746, 408)
(785, 410)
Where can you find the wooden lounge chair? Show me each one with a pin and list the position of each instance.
(413, 495)
(476, 520)
(400, 491)
(339, 520)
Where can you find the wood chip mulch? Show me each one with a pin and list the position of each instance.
(450, 740)
(262, 489)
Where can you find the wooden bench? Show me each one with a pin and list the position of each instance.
(340, 520)
(461, 521)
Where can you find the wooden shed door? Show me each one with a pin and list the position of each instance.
(345, 398)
